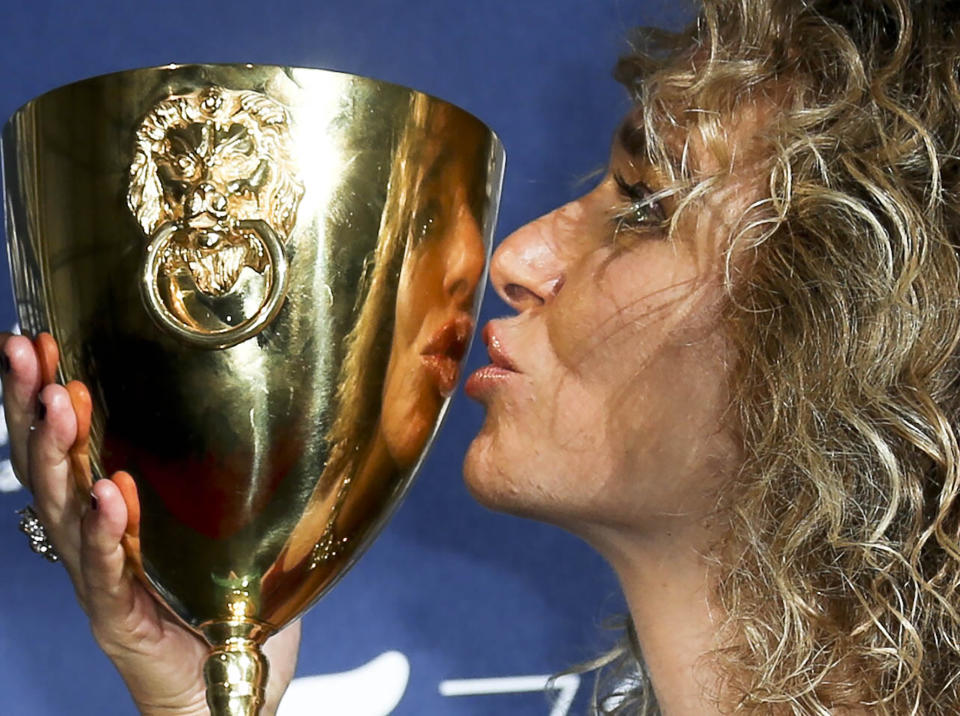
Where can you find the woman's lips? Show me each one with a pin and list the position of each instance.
(490, 376)
(444, 372)
(498, 354)
(442, 355)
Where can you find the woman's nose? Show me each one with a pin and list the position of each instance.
(527, 269)
(465, 261)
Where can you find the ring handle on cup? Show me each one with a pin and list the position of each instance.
(227, 337)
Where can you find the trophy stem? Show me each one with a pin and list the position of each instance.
(236, 670)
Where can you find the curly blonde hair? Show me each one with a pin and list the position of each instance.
(840, 578)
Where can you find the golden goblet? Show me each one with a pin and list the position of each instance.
(268, 278)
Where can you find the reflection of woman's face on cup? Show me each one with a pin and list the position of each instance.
(441, 269)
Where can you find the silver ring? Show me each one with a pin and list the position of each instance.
(33, 528)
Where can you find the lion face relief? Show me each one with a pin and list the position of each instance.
(205, 163)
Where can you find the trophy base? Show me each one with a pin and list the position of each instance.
(236, 670)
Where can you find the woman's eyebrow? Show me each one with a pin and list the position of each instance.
(435, 168)
(633, 138)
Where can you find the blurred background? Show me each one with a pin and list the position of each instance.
(454, 610)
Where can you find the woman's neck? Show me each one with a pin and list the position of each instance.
(666, 582)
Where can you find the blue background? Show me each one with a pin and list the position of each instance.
(462, 592)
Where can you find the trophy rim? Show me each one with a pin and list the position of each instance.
(186, 66)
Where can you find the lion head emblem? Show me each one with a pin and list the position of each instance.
(205, 165)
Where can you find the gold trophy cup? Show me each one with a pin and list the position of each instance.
(268, 278)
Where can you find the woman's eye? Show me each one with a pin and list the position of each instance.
(425, 222)
(641, 210)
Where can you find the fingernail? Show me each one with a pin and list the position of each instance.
(4, 362)
(41, 409)
(94, 502)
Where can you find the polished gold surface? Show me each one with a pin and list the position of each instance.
(236, 670)
(215, 188)
(268, 278)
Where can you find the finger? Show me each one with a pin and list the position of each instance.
(131, 499)
(101, 554)
(48, 354)
(110, 595)
(80, 450)
(21, 383)
(131, 536)
(55, 495)
(281, 651)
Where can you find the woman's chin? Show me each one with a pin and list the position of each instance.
(406, 441)
(491, 481)
(483, 476)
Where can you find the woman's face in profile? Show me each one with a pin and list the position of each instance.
(611, 380)
(442, 267)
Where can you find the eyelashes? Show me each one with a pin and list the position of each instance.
(641, 210)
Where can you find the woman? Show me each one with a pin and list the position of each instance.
(732, 370)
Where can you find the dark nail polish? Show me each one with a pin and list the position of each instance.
(41, 410)
(94, 502)
(4, 362)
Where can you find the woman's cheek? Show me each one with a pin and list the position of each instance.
(579, 315)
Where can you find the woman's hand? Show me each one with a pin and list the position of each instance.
(159, 659)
